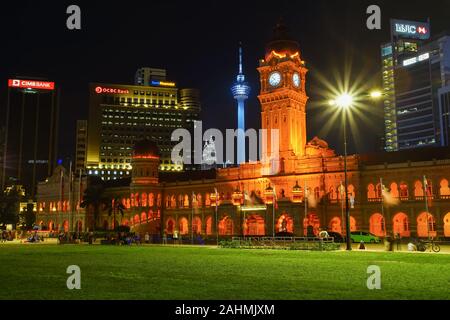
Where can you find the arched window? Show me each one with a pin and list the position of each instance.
(144, 199)
(371, 191)
(336, 225)
(207, 200)
(426, 225)
(312, 223)
(401, 225)
(254, 226)
(377, 225)
(170, 226)
(418, 189)
(285, 223)
(378, 191)
(186, 201)
(173, 202)
(394, 190)
(184, 226)
(151, 199)
(404, 193)
(226, 226)
(209, 226)
(444, 188)
(197, 225)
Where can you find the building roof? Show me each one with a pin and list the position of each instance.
(170, 177)
(281, 41)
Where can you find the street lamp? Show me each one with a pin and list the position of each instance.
(345, 101)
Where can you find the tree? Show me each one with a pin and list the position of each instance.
(94, 198)
(9, 206)
(115, 206)
(28, 217)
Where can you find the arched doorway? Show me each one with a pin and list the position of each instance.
(426, 225)
(197, 225)
(352, 224)
(184, 226)
(447, 225)
(226, 226)
(336, 225)
(377, 225)
(401, 225)
(209, 226)
(312, 223)
(79, 226)
(254, 226)
(136, 219)
(285, 224)
(170, 225)
(66, 226)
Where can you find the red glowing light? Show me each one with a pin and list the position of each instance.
(31, 84)
(100, 90)
(145, 157)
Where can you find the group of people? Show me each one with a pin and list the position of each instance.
(6, 236)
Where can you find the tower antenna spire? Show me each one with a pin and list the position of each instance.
(240, 57)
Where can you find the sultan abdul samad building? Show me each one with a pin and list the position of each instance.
(245, 196)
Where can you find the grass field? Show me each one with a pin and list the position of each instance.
(154, 272)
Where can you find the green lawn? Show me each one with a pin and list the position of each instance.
(153, 272)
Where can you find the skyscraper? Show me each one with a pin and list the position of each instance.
(120, 115)
(31, 133)
(144, 76)
(241, 91)
(406, 37)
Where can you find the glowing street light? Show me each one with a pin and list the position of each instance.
(344, 101)
(376, 94)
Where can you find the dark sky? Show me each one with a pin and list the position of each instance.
(196, 41)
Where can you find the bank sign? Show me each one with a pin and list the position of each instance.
(31, 84)
(410, 29)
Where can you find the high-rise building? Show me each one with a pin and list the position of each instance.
(418, 81)
(241, 91)
(406, 37)
(120, 115)
(145, 76)
(31, 133)
(81, 145)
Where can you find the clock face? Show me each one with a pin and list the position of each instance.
(296, 79)
(275, 79)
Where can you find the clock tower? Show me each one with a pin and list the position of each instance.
(283, 97)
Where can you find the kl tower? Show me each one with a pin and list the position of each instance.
(241, 91)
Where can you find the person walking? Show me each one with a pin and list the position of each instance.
(147, 238)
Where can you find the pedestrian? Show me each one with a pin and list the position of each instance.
(147, 238)
(362, 246)
(175, 236)
(165, 237)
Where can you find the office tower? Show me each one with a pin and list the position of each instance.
(81, 145)
(145, 76)
(31, 133)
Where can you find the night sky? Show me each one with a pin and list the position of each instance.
(196, 41)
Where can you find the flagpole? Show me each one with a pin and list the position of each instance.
(342, 207)
(425, 186)
(61, 195)
(79, 198)
(273, 212)
(192, 218)
(305, 197)
(382, 206)
(217, 222)
(69, 207)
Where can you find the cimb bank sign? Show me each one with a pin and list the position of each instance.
(263, 145)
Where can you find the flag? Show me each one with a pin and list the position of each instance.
(387, 198)
(427, 193)
(275, 200)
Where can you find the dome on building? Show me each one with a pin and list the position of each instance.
(146, 148)
(281, 41)
(317, 142)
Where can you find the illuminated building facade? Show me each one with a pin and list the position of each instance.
(418, 80)
(120, 115)
(31, 133)
(145, 76)
(241, 91)
(406, 37)
(305, 192)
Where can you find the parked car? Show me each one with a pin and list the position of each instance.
(367, 237)
(339, 238)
